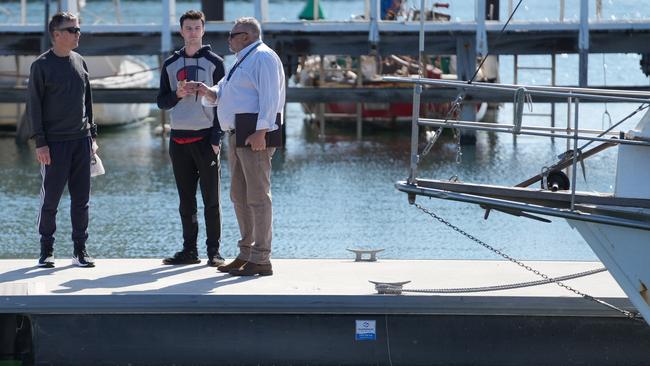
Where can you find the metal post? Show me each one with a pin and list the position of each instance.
(359, 104)
(516, 70)
(315, 14)
(561, 10)
(553, 77)
(375, 15)
(415, 116)
(118, 11)
(466, 65)
(568, 129)
(583, 43)
(515, 64)
(576, 107)
(165, 28)
(23, 12)
(321, 106)
(481, 34)
(45, 41)
(262, 10)
(163, 113)
(421, 40)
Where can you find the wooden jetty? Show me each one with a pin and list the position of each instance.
(293, 39)
(138, 311)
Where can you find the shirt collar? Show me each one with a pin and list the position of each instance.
(245, 50)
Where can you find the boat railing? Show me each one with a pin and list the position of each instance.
(556, 92)
(522, 94)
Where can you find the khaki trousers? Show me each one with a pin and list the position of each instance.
(250, 192)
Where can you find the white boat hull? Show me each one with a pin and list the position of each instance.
(625, 253)
(105, 71)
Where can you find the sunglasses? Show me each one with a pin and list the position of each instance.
(233, 35)
(72, 30)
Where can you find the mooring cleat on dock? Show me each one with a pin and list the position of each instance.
(392, 288)
(372, 253)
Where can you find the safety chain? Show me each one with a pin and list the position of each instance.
(628, 314)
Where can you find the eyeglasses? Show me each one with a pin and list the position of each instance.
(72, 30)
(233, 35)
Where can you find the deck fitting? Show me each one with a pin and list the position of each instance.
(391, 288)
(360, 252)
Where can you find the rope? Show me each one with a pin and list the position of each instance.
(388, 288)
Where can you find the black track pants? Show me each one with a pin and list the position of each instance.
(70, 163)
(192, 163)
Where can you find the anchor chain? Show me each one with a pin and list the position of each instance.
(628, 314)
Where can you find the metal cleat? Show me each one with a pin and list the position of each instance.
(360, 252)
(392, 288)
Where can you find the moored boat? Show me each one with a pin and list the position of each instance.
(616, 225)
(369, 71)
(105, 71)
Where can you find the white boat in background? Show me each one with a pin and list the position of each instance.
(616, 225)
(105, 72)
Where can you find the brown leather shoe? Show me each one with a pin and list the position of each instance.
(236, 264)
(252, 269)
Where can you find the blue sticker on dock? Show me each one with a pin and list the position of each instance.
(366, 330)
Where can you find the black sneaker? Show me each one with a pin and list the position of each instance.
(183, 257)
(82, 259)
(215, 260)
(46, 260)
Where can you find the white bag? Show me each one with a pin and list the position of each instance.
(96, 166)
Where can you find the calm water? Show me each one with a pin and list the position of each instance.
(329, 194)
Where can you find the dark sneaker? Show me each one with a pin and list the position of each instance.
(183, 257)
(215, 260)
(82, 259)
(46, 260)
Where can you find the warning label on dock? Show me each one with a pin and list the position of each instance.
(366, 330)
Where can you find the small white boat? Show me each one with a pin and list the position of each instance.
(105, 72)
(616, 225)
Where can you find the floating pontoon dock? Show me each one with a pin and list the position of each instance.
(136, 311)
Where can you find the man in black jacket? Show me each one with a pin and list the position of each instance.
(60, 108)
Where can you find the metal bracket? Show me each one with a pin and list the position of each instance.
(392, 288)
(360, 252)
